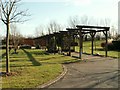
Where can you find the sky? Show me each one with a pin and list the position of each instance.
(44, 11)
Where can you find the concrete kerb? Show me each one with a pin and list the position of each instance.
(56, 79)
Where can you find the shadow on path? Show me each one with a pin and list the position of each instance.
(112, 78)
(32, 59)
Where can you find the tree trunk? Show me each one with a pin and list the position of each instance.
(7, 49)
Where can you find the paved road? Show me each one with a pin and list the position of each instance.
(95, 72)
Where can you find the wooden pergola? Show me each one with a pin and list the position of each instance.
(56, 40)
(81, 30)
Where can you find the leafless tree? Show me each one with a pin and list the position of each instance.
(113, 31)
(106, 22)
(16, 37)
(9, 13)
(89, 20)
(54, 27)
(73, 21)
(84, 20)
(39, 31)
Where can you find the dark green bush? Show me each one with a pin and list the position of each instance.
(116, 45)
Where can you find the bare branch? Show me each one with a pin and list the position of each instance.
(73, 21)
(3, 7)
(19, 21)
(4, 21)
(9, 12)
(11, 6)
(54, 27)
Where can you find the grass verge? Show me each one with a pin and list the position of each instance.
(97, 49)
(32, 68)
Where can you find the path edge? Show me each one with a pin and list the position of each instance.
(45, 85)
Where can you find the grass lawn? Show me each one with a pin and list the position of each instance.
(31, 68)
(99, 49)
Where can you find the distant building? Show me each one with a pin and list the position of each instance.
(28, 41)
(40, 41)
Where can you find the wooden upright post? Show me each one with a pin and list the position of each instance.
(106, 46)
(80, 42)
(73, 41)
(69, 38)
(55, 48)
(92, 36)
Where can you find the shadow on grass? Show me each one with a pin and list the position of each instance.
(119, 55)
(49, 58)
(32, 59)
(20, 65)
(40, 53)
(3, 55)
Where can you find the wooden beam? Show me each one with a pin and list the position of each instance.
(97, 27)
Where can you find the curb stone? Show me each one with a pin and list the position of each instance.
(46, 85)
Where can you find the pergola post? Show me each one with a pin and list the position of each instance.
(106, 39)
(61, 43)
(69, 38)
(106, 44)
(48, 42)
(73, 36)
(54, 44)
(80, 43)
(92, 37)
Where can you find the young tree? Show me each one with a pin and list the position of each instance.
(9, 13)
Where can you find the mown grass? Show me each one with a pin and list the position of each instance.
(97, 48)
(32, 68)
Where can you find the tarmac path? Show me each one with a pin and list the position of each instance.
(93, 72)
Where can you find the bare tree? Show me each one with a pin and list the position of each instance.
(113, 31)
(107, 22)
(54, 27)
(9, 13)
(84, 20)
(16, 37)
(39, 31)
(73, 21)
